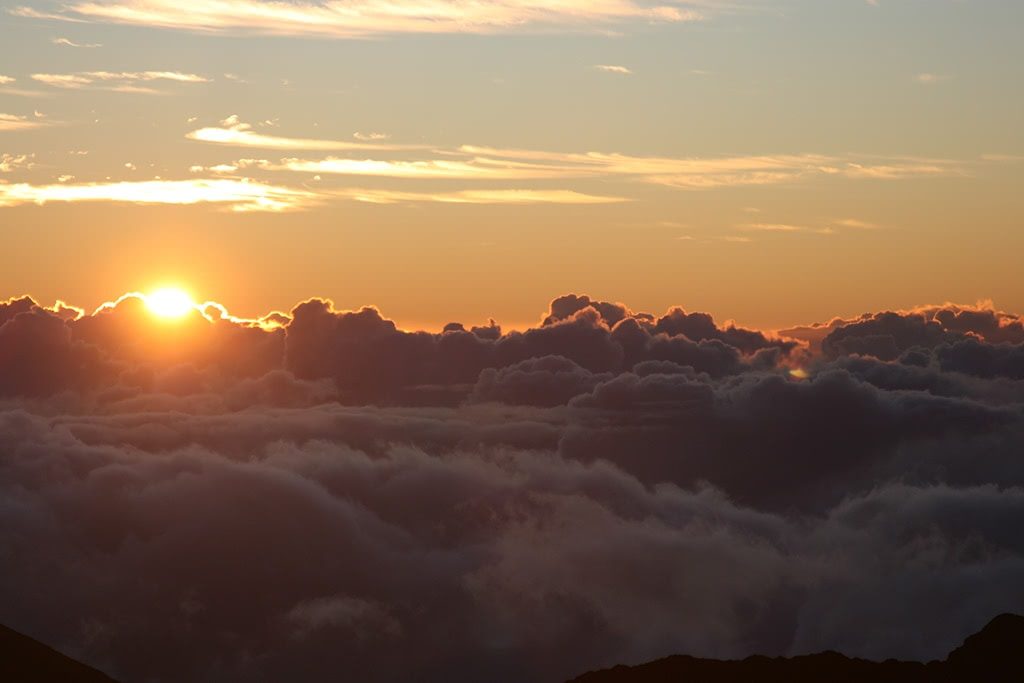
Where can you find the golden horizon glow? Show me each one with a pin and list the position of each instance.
(170, 303)
(657, 152)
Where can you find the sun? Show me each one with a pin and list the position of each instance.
(169, 302)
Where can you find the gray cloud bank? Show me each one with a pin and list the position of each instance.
(336, 498)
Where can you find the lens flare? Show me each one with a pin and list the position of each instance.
(170, 302)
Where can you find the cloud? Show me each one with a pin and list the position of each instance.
(774, 227)
(11, 162)
(470, 162)
(122, 81)
(366, 18)
(1003, 158)
(515, 196)
(245, 194)
(70, 43)
(233, 132)
(901, 170)
(856, 224)
(15, 122)
(712, 172)
(218, 499)
(613, 69)
(5, 89)
(239, 195)
(483, 169)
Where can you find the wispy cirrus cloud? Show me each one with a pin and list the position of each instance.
(237, 194)
(119, 81)
(471, 169)
(518, 196)
(365, 18)
(856, 224)
(6, 81)
(233, 132)
(247, 195)
(15, 122)
(899, 169)
(774, 227)
(477, 163)
(786, 228)
(712, 172)
(67, 42)
(614, 69)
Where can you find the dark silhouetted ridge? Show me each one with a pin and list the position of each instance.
(993, 655)
(24, 660)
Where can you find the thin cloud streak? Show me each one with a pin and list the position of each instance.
(15, 122)
(472, 162)
(613, 69)
(479, 197)
(366, 18)
(240, 195)
(474, 169)
(235, 133)
(243, 194)
(116, 81)
(481, 163)
(70, 43)
(773, 227)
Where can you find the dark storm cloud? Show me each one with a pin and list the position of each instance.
(339, 498)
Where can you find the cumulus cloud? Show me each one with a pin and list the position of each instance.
(11, 162)
(301, 497)
(367, 18)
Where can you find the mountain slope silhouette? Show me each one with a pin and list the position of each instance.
(24, 660)
(993, 655)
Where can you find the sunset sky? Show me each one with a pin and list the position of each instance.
(772, 161)
(454, 341)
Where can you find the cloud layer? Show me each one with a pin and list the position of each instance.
(303, 496)
(366, 18)
(478, 163)
(118, 81)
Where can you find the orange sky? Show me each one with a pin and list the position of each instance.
(753, 160)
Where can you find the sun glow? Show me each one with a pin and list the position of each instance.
(169, 302)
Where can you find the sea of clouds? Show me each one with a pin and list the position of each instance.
(325, 496)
